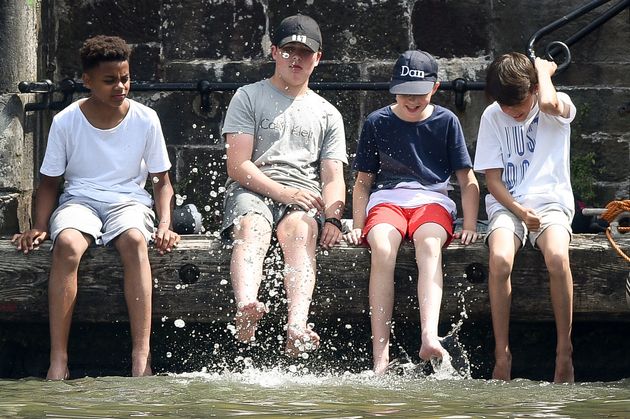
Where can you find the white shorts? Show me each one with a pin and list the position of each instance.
(103, 221)
(550, 215)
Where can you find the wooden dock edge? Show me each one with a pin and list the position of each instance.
(192, 283)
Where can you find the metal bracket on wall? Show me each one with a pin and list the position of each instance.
(204, 87)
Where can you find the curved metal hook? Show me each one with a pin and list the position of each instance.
(552, 47)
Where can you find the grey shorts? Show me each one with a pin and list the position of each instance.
(103, 221)
(550, 215)
(240, 202)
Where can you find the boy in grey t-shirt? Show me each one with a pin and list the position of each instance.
(285, 149)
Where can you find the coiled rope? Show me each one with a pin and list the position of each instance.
(613, 210)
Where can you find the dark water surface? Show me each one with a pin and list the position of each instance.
(274, 393)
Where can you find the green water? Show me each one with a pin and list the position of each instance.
(274, 393)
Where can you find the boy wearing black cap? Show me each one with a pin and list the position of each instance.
(285, 149)
(523, 150)
(405, 157)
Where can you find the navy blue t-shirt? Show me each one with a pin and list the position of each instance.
(397, 151)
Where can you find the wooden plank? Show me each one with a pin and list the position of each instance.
(193, 284)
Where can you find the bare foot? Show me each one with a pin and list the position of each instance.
(141, 365)
(246, 320)
(564, 369)
(431, 348)
(300, 339)
(58, 372)
(502, 366)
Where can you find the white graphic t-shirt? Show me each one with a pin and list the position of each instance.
(534, 156)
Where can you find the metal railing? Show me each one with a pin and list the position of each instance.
(69, 87)
(555, 47)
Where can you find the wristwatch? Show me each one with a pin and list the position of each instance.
(336, 222)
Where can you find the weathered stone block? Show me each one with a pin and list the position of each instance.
(18, 43)
(138, 22)
(182, 121)
(233, 29)
(599, 108)
(16, 148)
(352, 30)
(10, 222)
(451, 28)
(594, 74)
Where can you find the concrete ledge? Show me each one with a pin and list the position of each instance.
(193, 284)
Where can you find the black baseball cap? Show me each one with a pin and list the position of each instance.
(299, 28)
(415, 73)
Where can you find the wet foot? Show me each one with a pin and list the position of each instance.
(502, 367)
(246, 320)
(58, 372)
(431, 349)
(564, 369)
(300, 340)
(141, 366)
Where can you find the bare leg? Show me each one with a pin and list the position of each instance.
(134, 255)
(252, 237)
(384, 242)
(62, 294)
(297, 235)
(503, 245)
(554, 244)
(428, 240)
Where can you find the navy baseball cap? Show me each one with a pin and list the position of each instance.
(299, 28)
(415, 73)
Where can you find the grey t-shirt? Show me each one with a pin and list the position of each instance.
(291, 135)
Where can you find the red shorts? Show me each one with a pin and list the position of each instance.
(408, 220)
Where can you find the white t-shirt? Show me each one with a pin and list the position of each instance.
(534, 156)
(106, 165)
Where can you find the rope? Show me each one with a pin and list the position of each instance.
(613, 210)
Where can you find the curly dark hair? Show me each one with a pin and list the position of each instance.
(103, 48)
(510, 78)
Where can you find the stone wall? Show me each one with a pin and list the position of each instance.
(19, 24)
(228, 41)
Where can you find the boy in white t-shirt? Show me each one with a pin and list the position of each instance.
(104, 147)
(523, 149)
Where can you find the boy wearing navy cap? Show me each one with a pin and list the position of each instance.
(406, 154)
(285, 149)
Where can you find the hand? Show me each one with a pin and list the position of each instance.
(354, 236)
(29, 240)
(544, 66)
(467, 236)
(304, 199)
(330, 236)
(165, 239)
(531, 220)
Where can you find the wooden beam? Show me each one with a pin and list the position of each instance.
(193, 284)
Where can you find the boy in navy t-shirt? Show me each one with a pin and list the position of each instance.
(405, 157)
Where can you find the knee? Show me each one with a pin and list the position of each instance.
(130, 242)
(252, 227)
(557, 263)
(428, 246)
(501, 264)
(297, 232)
(383, 250)
(69, 245)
